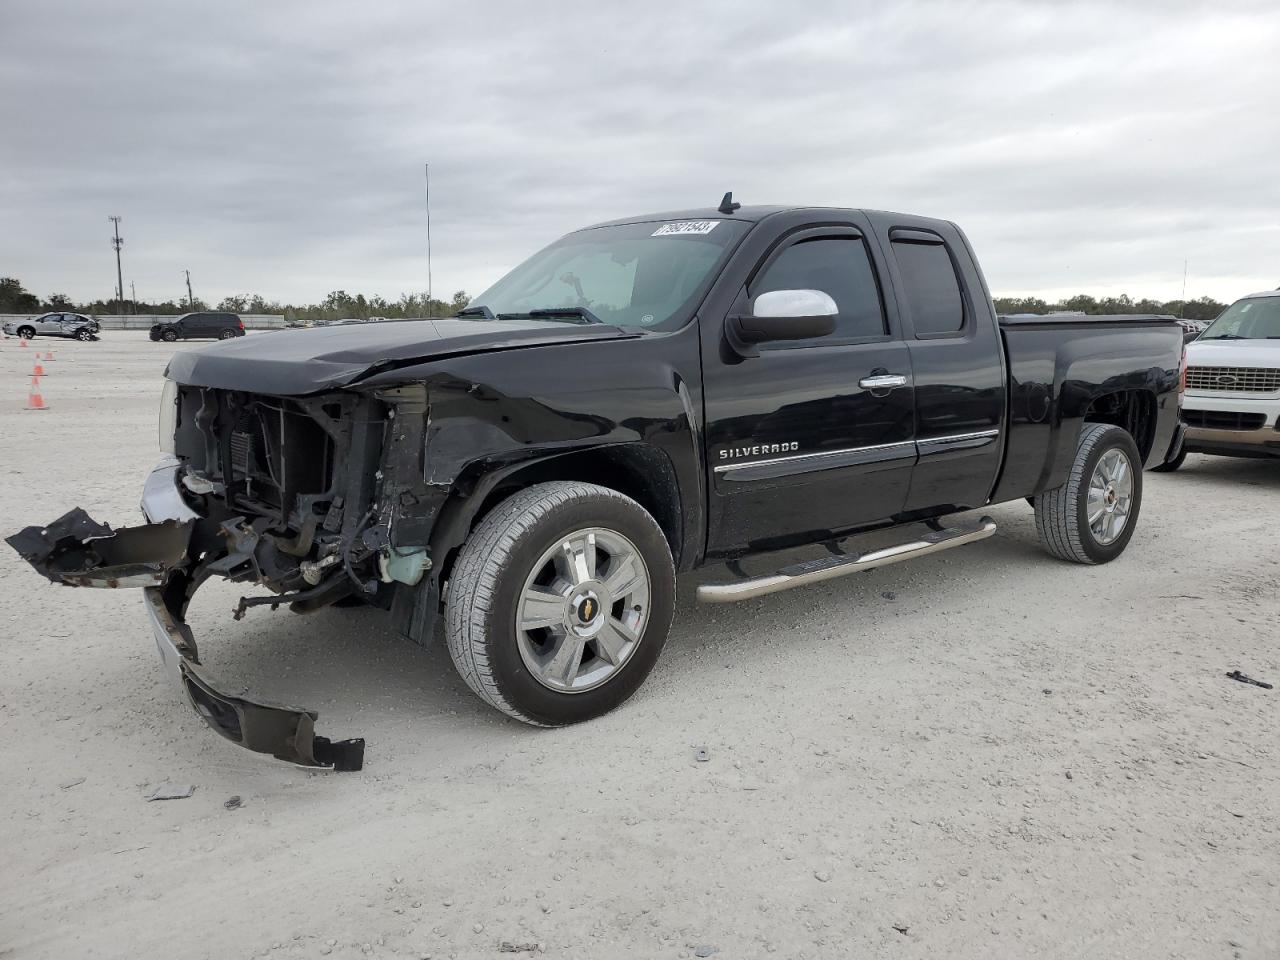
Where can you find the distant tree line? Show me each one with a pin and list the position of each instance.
(1205, 308)
(340, 305)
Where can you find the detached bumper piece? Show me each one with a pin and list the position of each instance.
(287, 733)
(77, 551)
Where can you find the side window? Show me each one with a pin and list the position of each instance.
(932, 290)
(840, 268)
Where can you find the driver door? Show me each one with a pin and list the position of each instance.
(811, 439)
(50, 323)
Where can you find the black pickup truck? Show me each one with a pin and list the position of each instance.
(638, 399)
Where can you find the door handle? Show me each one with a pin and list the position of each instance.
(884, 381)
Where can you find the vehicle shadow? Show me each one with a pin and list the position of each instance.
(365, 680)
(1209, 469)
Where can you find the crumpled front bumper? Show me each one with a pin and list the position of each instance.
(287, 733)
(77, 551)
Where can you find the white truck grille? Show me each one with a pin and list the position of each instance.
(1234, 379)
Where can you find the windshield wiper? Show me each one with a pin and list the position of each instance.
(1224, 336)
(480, 311)
(584, 315)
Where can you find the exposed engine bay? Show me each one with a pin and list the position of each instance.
(316, 499)
(308, 494)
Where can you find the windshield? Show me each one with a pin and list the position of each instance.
(1257, 319)
(634, 274)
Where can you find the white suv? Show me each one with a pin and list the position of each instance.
(1232, 402)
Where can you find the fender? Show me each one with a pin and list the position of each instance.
(499, 421)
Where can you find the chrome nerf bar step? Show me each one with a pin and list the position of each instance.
(828, 568)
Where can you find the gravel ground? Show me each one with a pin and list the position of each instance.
(987, 753)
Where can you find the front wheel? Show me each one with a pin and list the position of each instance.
(169, 336)
(1090, 518)
(27, 333)
(560, 602)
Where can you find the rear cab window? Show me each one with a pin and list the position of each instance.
(931, 287)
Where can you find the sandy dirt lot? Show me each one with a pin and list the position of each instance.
(985, 754)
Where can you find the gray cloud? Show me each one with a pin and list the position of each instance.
(278, 149)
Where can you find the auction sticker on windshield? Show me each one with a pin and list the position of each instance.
(684, 227)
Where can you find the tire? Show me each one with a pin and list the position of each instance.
(1062, 514)
(84, 335)
(517, 547)
(1171, 465)
(27, 333)
(226, 335)
(169, 336)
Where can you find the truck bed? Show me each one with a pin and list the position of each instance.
(1059, 367)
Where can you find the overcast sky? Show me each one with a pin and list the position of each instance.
(278, 149)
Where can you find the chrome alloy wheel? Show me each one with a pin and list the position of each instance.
(583, 610)
(1110, 496)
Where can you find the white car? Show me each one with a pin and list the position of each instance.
(75, 325)
(1232, 402)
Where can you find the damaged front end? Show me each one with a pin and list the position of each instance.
(77, 551)
(316, 499)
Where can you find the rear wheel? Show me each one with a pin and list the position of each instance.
(226, 334)
(560, 602)
(1091, 517)
(27, 333)
(84, 335)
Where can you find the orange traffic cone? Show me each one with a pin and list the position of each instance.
(22, 342)
(34, 400)
(48, 356)
(39, 370)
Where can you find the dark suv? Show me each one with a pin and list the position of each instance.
(205, 325)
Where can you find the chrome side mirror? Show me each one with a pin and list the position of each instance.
(784, 315)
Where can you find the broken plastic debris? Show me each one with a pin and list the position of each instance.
(1237, 675)
(173, 791)
(701, 755)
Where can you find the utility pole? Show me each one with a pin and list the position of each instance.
(1183, 303)
(191, 301)
(427, 171)
(118, 243)
(133, 298)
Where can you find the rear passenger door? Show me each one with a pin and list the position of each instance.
(811, 438)
(957, 361)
